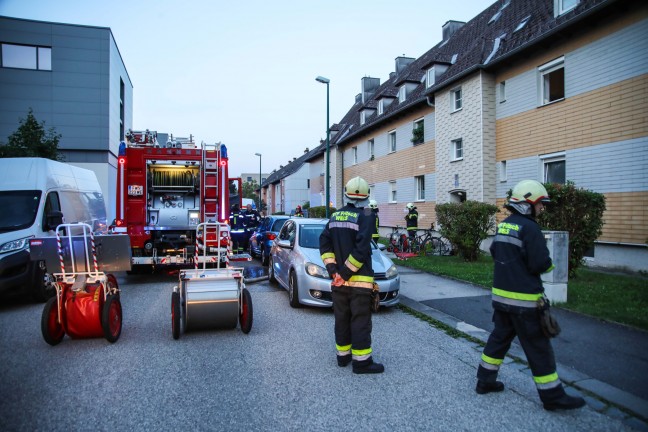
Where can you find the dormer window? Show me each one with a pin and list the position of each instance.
(564, 6)
(431, 78)
(381, 106)
(402, 94)
(363, 117)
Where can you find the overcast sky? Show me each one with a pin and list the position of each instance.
(243, 72)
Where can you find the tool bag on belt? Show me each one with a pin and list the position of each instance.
(548, 322)
(83, 312)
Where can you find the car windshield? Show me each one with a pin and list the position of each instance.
(19, 209)
(276, 226)
(309, 236)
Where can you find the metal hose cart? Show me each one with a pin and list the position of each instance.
(208, 298)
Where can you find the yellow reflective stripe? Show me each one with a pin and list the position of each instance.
(354, 262)
(550, 268)
(546, 379)
(343, 347)
(361, 352)
(491, 360)
(358, 278)
(515, 295)
(326, 255)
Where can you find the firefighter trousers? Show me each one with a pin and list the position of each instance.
(352, 311)
(537, 348)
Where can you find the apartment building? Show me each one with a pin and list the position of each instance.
(74, 79)
(553, 90)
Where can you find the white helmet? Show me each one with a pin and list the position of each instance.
(373, 204)
(530, 191)
(409, 206)
(357, 189)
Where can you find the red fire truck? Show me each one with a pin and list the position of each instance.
(164, 191)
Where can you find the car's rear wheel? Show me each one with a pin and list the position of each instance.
(265, 258)
(293, 290)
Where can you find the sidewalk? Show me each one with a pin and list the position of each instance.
(605, 362)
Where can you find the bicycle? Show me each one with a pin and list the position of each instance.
(431, 244)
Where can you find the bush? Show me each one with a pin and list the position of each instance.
(279, 213)
(577, 211)
(320, 211)
(466, 225)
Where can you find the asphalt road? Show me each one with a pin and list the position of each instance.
(281, 376)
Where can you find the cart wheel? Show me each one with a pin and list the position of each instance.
(245, 317)
(175, 314)
(111, 318)
(52, 330)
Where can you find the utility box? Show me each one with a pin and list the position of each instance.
(555, 282)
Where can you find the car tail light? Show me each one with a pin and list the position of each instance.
(271, 236)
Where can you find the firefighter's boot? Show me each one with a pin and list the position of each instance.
(344, 360)
(484, 387)
(367, 367)
(565, 402)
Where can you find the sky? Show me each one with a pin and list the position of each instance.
(243, 72)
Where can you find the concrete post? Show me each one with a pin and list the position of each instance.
(555, 282)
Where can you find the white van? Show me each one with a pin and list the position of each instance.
(33, 194)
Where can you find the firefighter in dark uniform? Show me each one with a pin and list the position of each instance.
(411, 221)
(299, 212)
(345, 246)
(237, 230)
(520, 254)
(373, 205)
(252, 218)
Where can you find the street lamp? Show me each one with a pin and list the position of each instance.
(259, 154)
(328, 133)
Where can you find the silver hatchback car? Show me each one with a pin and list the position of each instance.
(296, 264)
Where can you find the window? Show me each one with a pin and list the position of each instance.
(363, 117)
(402, 94)
(522, 24)
(249, 179)
(502, 171)
(391, 141)
(431, 78)
(420, 188)
(502, 91)
(381, 106)
(418, 131)
(392, 191)
(354, 154)
(307, 183)
(563, 6)
(26, 57)
(554, 168)
(372, 192)
(457, 149)
(371, 149)
(552, 81)
(456, 99)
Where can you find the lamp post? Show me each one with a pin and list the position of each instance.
(328, 133)
(259, 154)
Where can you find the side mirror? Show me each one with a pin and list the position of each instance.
(53, 219)
(284, 244)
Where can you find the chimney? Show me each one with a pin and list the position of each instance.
(402, 62)
(306, 150)
(358, 98)
(450, 28)
(369, 86)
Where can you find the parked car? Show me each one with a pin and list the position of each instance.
(296, 264)
(262, 238)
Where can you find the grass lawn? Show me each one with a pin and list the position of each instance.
(613, 297)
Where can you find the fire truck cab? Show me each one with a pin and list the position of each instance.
(164, 191)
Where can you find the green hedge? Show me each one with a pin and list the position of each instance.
(320, 211)
(466, 225)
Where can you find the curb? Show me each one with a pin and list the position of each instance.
(636, 407)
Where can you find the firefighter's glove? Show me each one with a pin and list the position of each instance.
(346, 273)
(548, 322)
(337, 280)
(331, 269)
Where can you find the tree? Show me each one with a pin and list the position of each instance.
(32, 140)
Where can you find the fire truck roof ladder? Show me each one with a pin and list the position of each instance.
(209, 182)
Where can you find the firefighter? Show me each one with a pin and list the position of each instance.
(373, 205)
(237, 230)
(252, 218)
(411, 220)
(345, 246)
(521, 255)
(299, 212)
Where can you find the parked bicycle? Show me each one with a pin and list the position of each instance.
(398, 240)
(430, 243)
